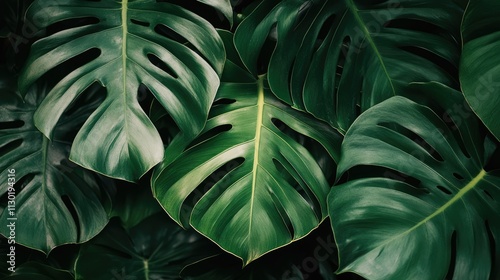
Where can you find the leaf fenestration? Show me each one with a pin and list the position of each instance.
(271, 190)
(118, 139)
(390, 227)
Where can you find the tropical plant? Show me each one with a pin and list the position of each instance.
(266, 139)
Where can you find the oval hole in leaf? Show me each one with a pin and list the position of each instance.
(74, 214)
(210, 134)
(365, 171)
(7, 148)
(70, 23)
(144, 97)
(170, 33)
(59, 72)
(326, 29)
(223, 101)
(138, 22)
(24, 181)
(453, 256)
(11, 124)
(444, 64)
(444, 190)
(458, 176)
(488, 194)
(414, 137)
(162, 65)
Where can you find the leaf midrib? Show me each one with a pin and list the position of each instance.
(145, 263)
(124, 54)
(455, 198)
(352, 7)
(473, 183)
(258, 129)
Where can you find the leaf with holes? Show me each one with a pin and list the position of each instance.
(175, 53)
(331, 56)
(56, 202)
(435, 212)
(263, 188)
(156, 248)
(480, 61)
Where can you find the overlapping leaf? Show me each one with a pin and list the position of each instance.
(56, 202)
(156, 248)
(480, 61)
(271, 190)
(331, 56)
(434, 212)
(175, 53)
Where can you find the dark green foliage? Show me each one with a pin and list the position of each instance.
(250, 139)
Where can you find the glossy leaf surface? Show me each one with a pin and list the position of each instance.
(435, 211)
(175, 53)
(480, 61)
(56, 201)
(244, 183)
(336, 58)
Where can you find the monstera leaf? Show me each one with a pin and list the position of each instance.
(156, 248)
(56, 202)
(331, 56)
(435, 211)
(271, 191)
(176, 54)
(480, 61)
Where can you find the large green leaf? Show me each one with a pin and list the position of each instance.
(434, 212)
(56, 202)
(331, 56)
(264, 189)
(480, 61)
(176, 54)
(156, 248)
